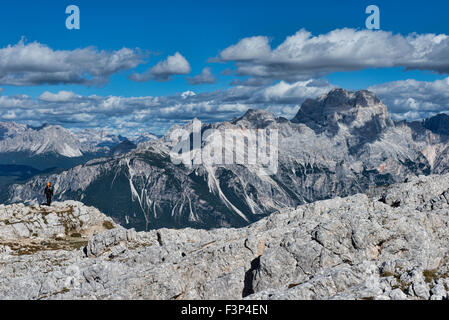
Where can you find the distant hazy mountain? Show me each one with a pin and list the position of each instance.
(144, 137)
(46, 139)
(340, 144)
(94, 139)
(123, 147)
(438, 124)
(50, 146)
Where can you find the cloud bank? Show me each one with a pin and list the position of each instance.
(304, 56)
(408, 99)
(156, 114)
(205, 77)
(412, 99)
(33, 64)
(278, 79)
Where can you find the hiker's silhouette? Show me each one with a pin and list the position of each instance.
(48, 193)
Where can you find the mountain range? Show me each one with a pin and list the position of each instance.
(340, 144)
(26, 151)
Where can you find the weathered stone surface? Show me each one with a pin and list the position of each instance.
(393, 245)
(60, 219)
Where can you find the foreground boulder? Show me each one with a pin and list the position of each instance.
(390, 245)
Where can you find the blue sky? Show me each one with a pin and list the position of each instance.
(199, 31)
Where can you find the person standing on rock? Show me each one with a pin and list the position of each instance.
(48, 193)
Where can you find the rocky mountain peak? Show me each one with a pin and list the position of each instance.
(256, 118)
(338, 98)
(50, 140)
(45, 139)
(123, 147)
(9, 129)
(343, 107)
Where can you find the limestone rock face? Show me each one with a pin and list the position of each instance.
(389, 245)
(20, 222)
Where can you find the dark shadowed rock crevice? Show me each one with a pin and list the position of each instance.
(249, 278)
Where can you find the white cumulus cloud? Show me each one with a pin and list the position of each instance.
(303, 56)
(204, 77)
(412, 99)
(164, 70)
(30, 64)
(61, 96)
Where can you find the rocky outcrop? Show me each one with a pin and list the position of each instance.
(63, 225)
(18, 222)
(392, 244)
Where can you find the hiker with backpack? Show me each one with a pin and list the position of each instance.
(48, 193)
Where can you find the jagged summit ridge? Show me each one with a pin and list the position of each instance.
(17, 138)
(56, 140)
(258, 118)
(343, 107)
